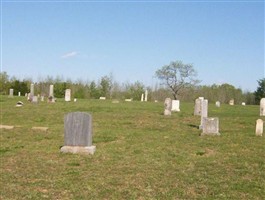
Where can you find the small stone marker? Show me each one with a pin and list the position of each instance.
(35, 99)
(19, 94)
(102, 98)
(217, 104)
(78, 133)
(142, 97)
(262, 107)
(129, 100)
(259, 127)
(75, 100)
(6, 127)
(175, 106)
(210, 126)
(11, 93)
(168, 105)
(243, 104)
(231, 102)
(19, 104)
(204, 112)
(40, 128)
(67, 95)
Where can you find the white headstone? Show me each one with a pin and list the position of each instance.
(175, 106)
(231, 102)
(217, 104)
(210, 126)
(128, 100)
(75, 100)
(142, 97)
(259, 127)
(243, 103)
(102, 98)
(204, 111)
(198, 106)
(11, 92)
(51, 91)
(31, 91)
(35, 99)
(262, 107)
(19, 94)
(67, 95)
(146, 94)
(167, 104)
(42, 98)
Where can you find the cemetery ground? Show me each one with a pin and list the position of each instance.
(140, 153)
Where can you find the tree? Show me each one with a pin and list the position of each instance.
(177, 76)
(260, 92)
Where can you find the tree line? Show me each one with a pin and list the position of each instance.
(106, 86)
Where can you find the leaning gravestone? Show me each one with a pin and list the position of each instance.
(175, 106)
(259, 127)
(204, 111)
(262, 107)
(210, 126)
(167, 105)
(67, 95)
(78, 133)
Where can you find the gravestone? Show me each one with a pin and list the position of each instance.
(128, 100)
(204, 111)
(75, 100)
(78, 133)
(31, 90)
(259, 127)
(42, 98)
(231, 102)
(19, 94)
(19, 104)
(142, 97)
(243, 103)
(217, 104)
(146, 94)
(102, 98)
(262, 107)
(11, 93)
(197, 106)
(210, 126)
(168, 105)
(67, 95)
(175, 106)
(34, 99)
(51, 98)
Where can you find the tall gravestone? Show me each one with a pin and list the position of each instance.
(262, 107)
(142, 97)
(204, 111)
(11, 93)
(259, 127)
(198, 106)
(78, 133)
(31, 95)
(67, 95)
(146, 95)
(210, 126)
(167, 104)
(175, 106)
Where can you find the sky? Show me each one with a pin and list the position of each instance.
(131, 40)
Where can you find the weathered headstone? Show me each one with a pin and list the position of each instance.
(67, 95)
(217, 104)
(42, 98)
(78, 133)
(167, 104)
(231, 102)
(210, 126)
(259, 127)
(11, 93)
(34, 99)
(262, 107)
(142, 97)
(129, 100)
(19, 94)
(175, 106)
(198, 106)
(102, 98)
(51, 91)
(204, 111)
(30, 96)
(146, 94)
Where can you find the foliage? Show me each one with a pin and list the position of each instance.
(260, 92)
(177, 76)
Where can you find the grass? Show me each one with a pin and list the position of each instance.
(140, 153)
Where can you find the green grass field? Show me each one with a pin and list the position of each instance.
(140, 153)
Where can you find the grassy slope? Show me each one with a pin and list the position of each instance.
(140, 154)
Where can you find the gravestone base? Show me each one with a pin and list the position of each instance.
(79, 149)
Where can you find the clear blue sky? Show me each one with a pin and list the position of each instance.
(224, 40)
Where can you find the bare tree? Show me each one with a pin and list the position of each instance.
(177, 76)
